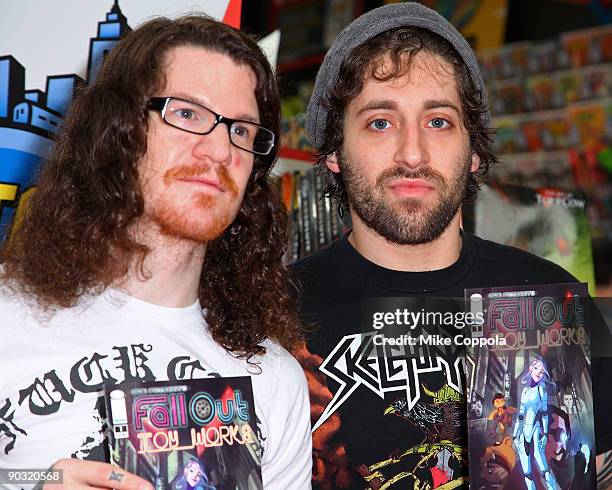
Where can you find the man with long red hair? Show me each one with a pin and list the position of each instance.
(151, 251)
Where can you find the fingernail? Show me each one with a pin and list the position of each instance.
(145, 486)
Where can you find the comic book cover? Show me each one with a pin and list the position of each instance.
(509, 97)
(186, 435)
(313, 209)
(542, 90)
(293, 252)
(489, 62)
(509, 138)
(513, 59)
(597, 82)
(589, 121)
(324, 231)
(529, 392)
(543, 57)
(546, 131)
(547, 221)
(571, 82)
(588, 46)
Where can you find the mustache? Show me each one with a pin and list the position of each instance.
(188, 171)
(425, 173)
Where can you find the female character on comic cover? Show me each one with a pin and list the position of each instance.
(530, 433)
(194, 477)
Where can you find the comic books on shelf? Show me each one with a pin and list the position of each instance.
(542, 168)
(529, 392)
(574, 49)
(315, 221)
(293, 132)
(550, 91)
(189, 434)
(588, 46)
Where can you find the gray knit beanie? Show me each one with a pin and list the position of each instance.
(409, 14)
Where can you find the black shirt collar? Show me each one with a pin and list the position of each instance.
(407, 282)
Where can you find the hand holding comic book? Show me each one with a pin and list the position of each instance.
(89, 474)
(194, 434)
(541, 363)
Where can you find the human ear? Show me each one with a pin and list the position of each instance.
(475, 163)
(331, 161)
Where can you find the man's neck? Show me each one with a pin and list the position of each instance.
(438, 254)
(170, 275)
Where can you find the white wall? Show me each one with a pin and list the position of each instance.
(51, 37)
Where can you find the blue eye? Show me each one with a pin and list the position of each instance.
(380, 124)
(185, 113)
(439, 123)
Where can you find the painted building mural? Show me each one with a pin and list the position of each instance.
(30, 118)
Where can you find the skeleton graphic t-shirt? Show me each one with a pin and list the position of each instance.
(54, 366)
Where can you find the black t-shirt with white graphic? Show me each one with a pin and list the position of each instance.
(397, 419)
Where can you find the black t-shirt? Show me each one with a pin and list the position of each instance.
(368, 440)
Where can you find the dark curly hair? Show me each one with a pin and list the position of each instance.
(400, 46)
(75, 235)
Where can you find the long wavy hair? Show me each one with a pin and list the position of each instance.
(75, 236)
(396, 50)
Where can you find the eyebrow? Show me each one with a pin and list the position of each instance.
(202, 102)
(437, 103)
(391, 105)
(377, 104)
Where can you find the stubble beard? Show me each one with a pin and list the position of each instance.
(406, 221)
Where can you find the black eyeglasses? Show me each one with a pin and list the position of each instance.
(195, 118)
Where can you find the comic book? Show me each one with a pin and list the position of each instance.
(542, 90)
(307, 234)
(549, 222)
(186, 435)
(588, 46)
(509, 138)
(590, 122)
(529, 392)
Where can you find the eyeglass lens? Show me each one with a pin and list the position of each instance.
(198, 119)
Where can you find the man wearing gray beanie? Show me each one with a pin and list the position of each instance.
(400, 122)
